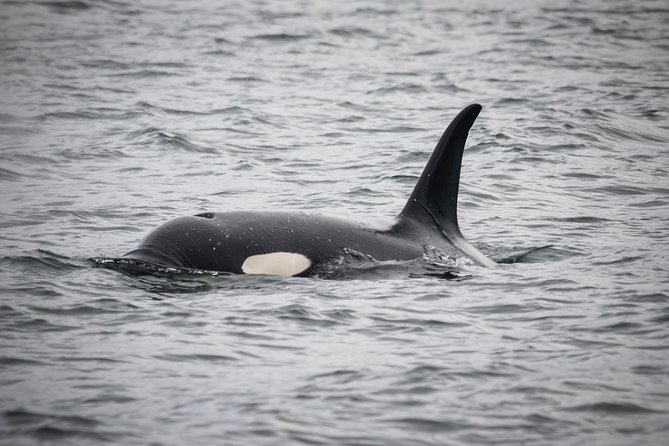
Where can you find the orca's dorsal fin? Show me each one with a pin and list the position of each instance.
(434, 200)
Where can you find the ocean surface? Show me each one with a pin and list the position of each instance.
(116, 116)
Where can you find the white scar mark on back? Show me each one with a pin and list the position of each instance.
(276, 264)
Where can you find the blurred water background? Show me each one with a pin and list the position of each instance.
(116, 116)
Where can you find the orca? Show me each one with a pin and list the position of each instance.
(297, 243)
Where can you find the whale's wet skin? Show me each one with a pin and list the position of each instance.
(291, 244)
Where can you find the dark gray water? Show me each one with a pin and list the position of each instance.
(117, 116)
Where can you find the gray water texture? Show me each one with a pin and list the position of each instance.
(117, 116)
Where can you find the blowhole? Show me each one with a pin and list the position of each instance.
(206, 215)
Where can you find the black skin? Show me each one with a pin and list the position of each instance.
(223, 241)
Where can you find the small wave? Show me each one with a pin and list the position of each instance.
(196, 357)
(500, 309)
(361, 191)
(399, 88)
(429, 425)
(532, 42)
(59, 428)
(612, 408)
(512, 101)
(619, 260)
(5, 117)
(303, 315)
(510, 255)
(418, 323)
(585, 176)
(616, 127)
(582, 219)
(9, 175)
(340, 376)
(622, 190)
(106, 64)
(431, 52)
(163, 139)
(144, 74)
(650, 204)
(246, 79)
(66, 6)
(652, 298)
(51, 433)
(96, 359)
(64, 87)
(21, 416)
(374, 11)
(619, 328)
(281, 37)
(541, 254)
(166, 64)
(219, 52)
(100, 113)
(45, 260)
(364, 108)
(169, 111)
(39, 324)
(10, 361)
(424, 372)
(102, 306)
(650, 370)
(354, 31)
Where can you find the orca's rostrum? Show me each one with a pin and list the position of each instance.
(293, 243)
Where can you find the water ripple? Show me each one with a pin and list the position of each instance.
(612, 408)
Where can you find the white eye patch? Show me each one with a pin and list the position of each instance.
(276, 264)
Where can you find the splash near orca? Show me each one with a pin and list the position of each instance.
(296, 244)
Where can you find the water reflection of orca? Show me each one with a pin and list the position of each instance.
(292, 243)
